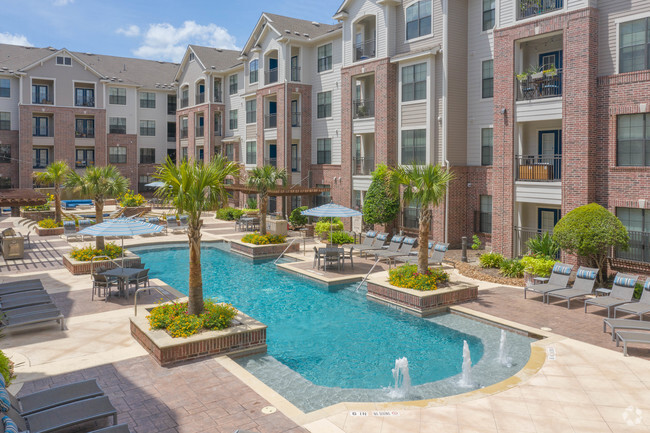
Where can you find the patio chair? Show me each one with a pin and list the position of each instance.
(582, 286)
(120, 428)
(142, 278)
(393, 247)
(559, 279)
(639, 308)
(412, 258)
(83, 224)
(172, 223)
(333, 255)
(69, 229)
(10, 321)
(57, 396)
(631, 337)
(138, 265)
(438, 253)
(403, 250)
(347, 255)
(367, 241)
(26, 240)
(624, 324)
(29, 309)
(377, 244)
(102, 283)
(622, 293)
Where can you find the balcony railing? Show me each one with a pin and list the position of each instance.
(639, 248)
(273, 162)
(40, 163)
(171, 137)
(217, 131)
(82, 134)
(271, 121)
(295, 119)
(363, 166)
(363, 108)
(183, 133)
(84, 102)
(185, 102)
(364, 50)
(521, 237)
(531, 8)
(295, 73)
(538, 168)
(84, 163)
(547, 85)
(42, 102)
(218, 96)
(200, 98)
(198, 131)
(271, 76)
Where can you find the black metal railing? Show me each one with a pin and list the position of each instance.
(363, 165)
(85, 102)
(363, 108)
(82, 134)
(198, 131)
(218, 96)
(40, 163)
(81, 163)
(273, 162)
(185, 102)
(364, 50)
(117, 129)
(539, 86)
(183, 132)
(200, 98)
(521, 237)
(217, 130)
(295, 73)
(295, 119)
(271, 76)
(530, 8)
(171, 137)
(271, 120)
(538, 168)
(639, 248)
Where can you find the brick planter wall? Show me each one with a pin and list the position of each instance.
(130, 211)
(48, 232)
(246, 337)
(80, 268)
(37, 215)
(262, 251)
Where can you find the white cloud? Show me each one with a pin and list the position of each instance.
(130, 31)
(62, 2)
(163, 41)
(8, 38)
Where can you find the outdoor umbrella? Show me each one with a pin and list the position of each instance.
(121, 227)
(331, 210)
(156, 184)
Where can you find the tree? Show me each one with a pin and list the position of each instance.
(99, 183)
(426, 186)
(265, 179)
(56, 174)
(193, 188)
(381, 204)
(590, 231)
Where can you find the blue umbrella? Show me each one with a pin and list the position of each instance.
(156, 184)
(331, 210)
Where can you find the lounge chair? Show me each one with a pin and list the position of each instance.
(393, 247)
(624, 324)
(639, 308)
(582, 286)
(183, 222)
(377, 244)
(631, 337)
(11, 301)
(120, 428)
(21, 311)
(413, 258)
(171, 223)
(84, 224)
(622, 293)
(438, 254)
(69, 229)
(20, 286)
(367, 241)
(15, 321)
(559, 279)
(404, 250)
(57, 396)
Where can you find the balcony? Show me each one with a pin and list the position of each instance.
(85, 101)
(40, 163)
(363, 109)
(198, 131)
(271, 76)
(217, 130)
(271, 121)
(639, 248)
(364, 50)
(538, 168)
(540, 86)
(185, 102)
(218, 96)
(82, 134)
(295, 119)
(84, 163)
(183, 133)
(363, 166)
(532, 8)
(295, 73)
(273, 162)
(200, 98)
(521, 237)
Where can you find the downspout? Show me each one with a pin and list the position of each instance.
(287, 156)
(445, 102)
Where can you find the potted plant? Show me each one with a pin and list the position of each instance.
(523, 76)
(536, 73)
(551, 71)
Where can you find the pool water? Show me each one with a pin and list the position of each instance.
(326, 340)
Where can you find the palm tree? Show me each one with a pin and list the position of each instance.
(55, 173)
(426, 186)
(194, 188)
(265, 179)
(99, 183)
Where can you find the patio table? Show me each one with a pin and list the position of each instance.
(327, 254)
(122, 275)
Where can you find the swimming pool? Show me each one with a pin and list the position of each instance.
(331, 344)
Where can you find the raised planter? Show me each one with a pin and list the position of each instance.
(57, 231)
(262, 251)
(80, 268)
(245, 336)
(422, 303)
(37, 215)
(130, 211)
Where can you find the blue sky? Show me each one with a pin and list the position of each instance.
(153, 29)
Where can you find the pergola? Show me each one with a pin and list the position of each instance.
(15, 198)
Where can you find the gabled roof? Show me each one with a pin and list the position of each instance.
(210, 59)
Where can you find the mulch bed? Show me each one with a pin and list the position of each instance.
(472, 269)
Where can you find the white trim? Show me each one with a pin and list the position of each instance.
(31, 83)
(74, 96)
(618, 23)
(412, 56)
(480, 92)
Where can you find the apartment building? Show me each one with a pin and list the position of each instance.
(85, 109)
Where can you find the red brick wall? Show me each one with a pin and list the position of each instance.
(10, 170)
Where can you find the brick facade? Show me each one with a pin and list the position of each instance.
(9, 170)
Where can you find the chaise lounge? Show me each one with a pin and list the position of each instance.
(622, 293)
(582, 286)
(639, 308)
(559, 279)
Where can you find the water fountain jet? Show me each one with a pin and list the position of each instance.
(466, 375)
(402, 379)
(503, 357)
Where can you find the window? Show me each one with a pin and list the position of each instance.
(324, 104)
(485, 220)
(637, 222)
(40, 94)
(414, 82)
(84, 128)
(84, 158)
(414, 149)
(488, 79)
(117, 125)
(5, 88)
(60, 60)
(117, 155)
(147, 156)
(323, 197)
(183, 127)
(148, 128)
(41, 158)
(171, 132)
(324, 151)
(251, 111)
(171, 104)
(411, 215)
(253, 73)
(84, 97)
(418, 19)
(325, 58)
(184, 153)
(233, 119)
(233, 84)
(5, 153)
(185, 98)
(217, 123)
(171, 154)
(5, 121)
(230, 152)
(487, 141)
(147, 100)
(40, 126)
(191, 57)
(634, 44)
(217, 90)
(633, 140)
(488, 14)
(251, 152)
(116, 96)
(295, 163)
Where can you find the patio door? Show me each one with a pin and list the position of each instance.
(546, 219)
(273, 154)
(549, 148)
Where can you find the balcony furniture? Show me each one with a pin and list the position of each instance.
(536, 172)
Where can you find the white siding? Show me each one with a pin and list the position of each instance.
(540, 109)
(414, 114)
(10, 105)
(356, 12)
(539, 192)
(191, 73)
(507, 10)
(129, 110)
(417, 44)
(160, 116)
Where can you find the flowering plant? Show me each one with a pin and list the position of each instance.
(131, 200)
(408, 277)
(258, 239)
(86, 254)
(175, 320)
(49, 223)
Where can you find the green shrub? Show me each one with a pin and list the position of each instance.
(381, 203)
(512, 268)
(539, 266)
(476, 242)
(217, 316)
(407, 276)
(251, 203)
(267, 239)
(543, 245)
(86, 254)
(49, 223)
(6, 369)
(340, 238)
(323, 226)
(229, 213)
(490, 260)
(297, 219)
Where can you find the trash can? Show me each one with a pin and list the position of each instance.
(276, 227)
(13, 247)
